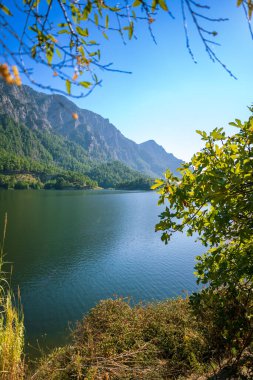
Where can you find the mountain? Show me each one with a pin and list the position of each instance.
(38, 158)
(92, 135)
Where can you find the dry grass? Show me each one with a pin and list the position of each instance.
(11, 328)
(157, 341)
(116, 341)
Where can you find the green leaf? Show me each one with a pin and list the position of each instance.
(107, 21)
(33, 51)
(63, 31)
(163, 5)
(34, 4)
(216, 135)
(58, 52)
(154, 4)
(95, 78)
(49, 55)
(85, 84)
(96, 19)
(158, 183)
(68, 86)
(5, 9)
(131, 30)
(82, 32)
(93, 54)
(137, 3)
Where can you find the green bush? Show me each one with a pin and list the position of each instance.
(21, 185)
(226, 317)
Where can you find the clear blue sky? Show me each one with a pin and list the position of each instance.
(168, 97)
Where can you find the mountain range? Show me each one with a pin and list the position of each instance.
(42, 127)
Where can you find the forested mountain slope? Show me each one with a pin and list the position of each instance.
(97, 138)
(53, 160)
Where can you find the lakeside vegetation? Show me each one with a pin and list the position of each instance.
(11, 326)
(68, 180)
(172, 339)
(208, 335)
(64, 180)
(165, 340)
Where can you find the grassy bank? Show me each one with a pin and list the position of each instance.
(116, 341)
(11, 328)
(157, 341)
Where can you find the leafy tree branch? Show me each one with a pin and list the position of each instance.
(67, 37)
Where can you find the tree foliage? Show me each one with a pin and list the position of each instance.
(214, 198)
(68, 36)
(142, 183)
(117, 175)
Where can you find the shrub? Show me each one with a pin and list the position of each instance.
(226, 317)
(21, 185)
(117, 341)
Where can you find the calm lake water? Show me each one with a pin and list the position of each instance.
(70, 249)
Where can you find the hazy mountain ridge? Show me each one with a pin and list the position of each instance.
(96, 135)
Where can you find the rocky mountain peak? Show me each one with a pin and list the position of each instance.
(101, 139)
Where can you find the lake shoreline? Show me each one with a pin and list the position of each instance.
(70, 249)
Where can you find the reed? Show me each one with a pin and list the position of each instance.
(11, 326)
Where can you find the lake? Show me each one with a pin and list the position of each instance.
(70, 249)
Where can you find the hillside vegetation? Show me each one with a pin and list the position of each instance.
(40, 139)
(33, 158)
(89, 137)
